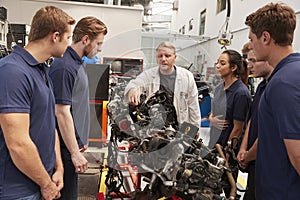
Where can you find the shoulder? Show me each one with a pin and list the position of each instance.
(14, 77)
(183, 70)
(64, 65)
(220, 86)
(150, 71)
(241, 86)
(240, 90)
(13, 68)
(184, 73)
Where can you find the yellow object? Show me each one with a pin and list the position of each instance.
(162, 198)
(242, 180)
(102, 188)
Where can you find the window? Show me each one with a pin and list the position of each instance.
(183, 29)
(221, 5)
(2, 31)
(202, 22)
(176, 5)
(191, 24)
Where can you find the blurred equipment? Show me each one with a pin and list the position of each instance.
(204, 102)
(3, 14)
(98, 77)
(225, 35)
(3, 51)
(125, 66)
(17, 35)
(169, 159)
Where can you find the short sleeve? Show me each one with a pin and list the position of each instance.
(63, 82)
(15, 90)
(241, 106)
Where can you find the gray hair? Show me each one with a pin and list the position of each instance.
(166, 44)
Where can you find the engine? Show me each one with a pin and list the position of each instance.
(166, 154)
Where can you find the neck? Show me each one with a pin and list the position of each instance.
(228, 81)
(279, 53)
(268, 75)
(78, 48)
(39, 50)
(168, 71)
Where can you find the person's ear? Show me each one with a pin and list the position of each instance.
(266, 36)
(234, 68)
(85, 39)
(55, 36)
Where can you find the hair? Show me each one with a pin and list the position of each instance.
(246, 48)
(48, 20)
(245, 72)
(235, 59)
(166, 44)
(90, 26)
(276, 18)
(245, 51)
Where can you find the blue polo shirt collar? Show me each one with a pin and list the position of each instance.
(26, 56)
(281, 64)
(234, 86)
(74, 55)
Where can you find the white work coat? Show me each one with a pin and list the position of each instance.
(185, 92)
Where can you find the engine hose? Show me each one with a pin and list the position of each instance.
(233, 189)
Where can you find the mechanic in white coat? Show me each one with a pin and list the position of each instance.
(177, 81)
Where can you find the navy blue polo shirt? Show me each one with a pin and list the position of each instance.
(70, 83)
(279, 118)
(25, 88)
(233, 103)
(253, 129)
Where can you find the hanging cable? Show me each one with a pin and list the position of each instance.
(225, 35)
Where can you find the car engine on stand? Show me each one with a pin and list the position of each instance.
(168, 158)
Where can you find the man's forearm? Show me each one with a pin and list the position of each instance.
(58, 163)
(245, 138)
(23, 151)
(67, 130)
(252, 151)
(66, 127)
(26, 158)
(293, 150)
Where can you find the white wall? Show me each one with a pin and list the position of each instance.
(124, 23)
(240, 9)
(188, 9)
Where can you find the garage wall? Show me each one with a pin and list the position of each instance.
(124, 23)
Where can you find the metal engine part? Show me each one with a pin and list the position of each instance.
(168, 157)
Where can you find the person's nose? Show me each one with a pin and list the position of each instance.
(250, 46)
(99, 48)
(164, 58)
